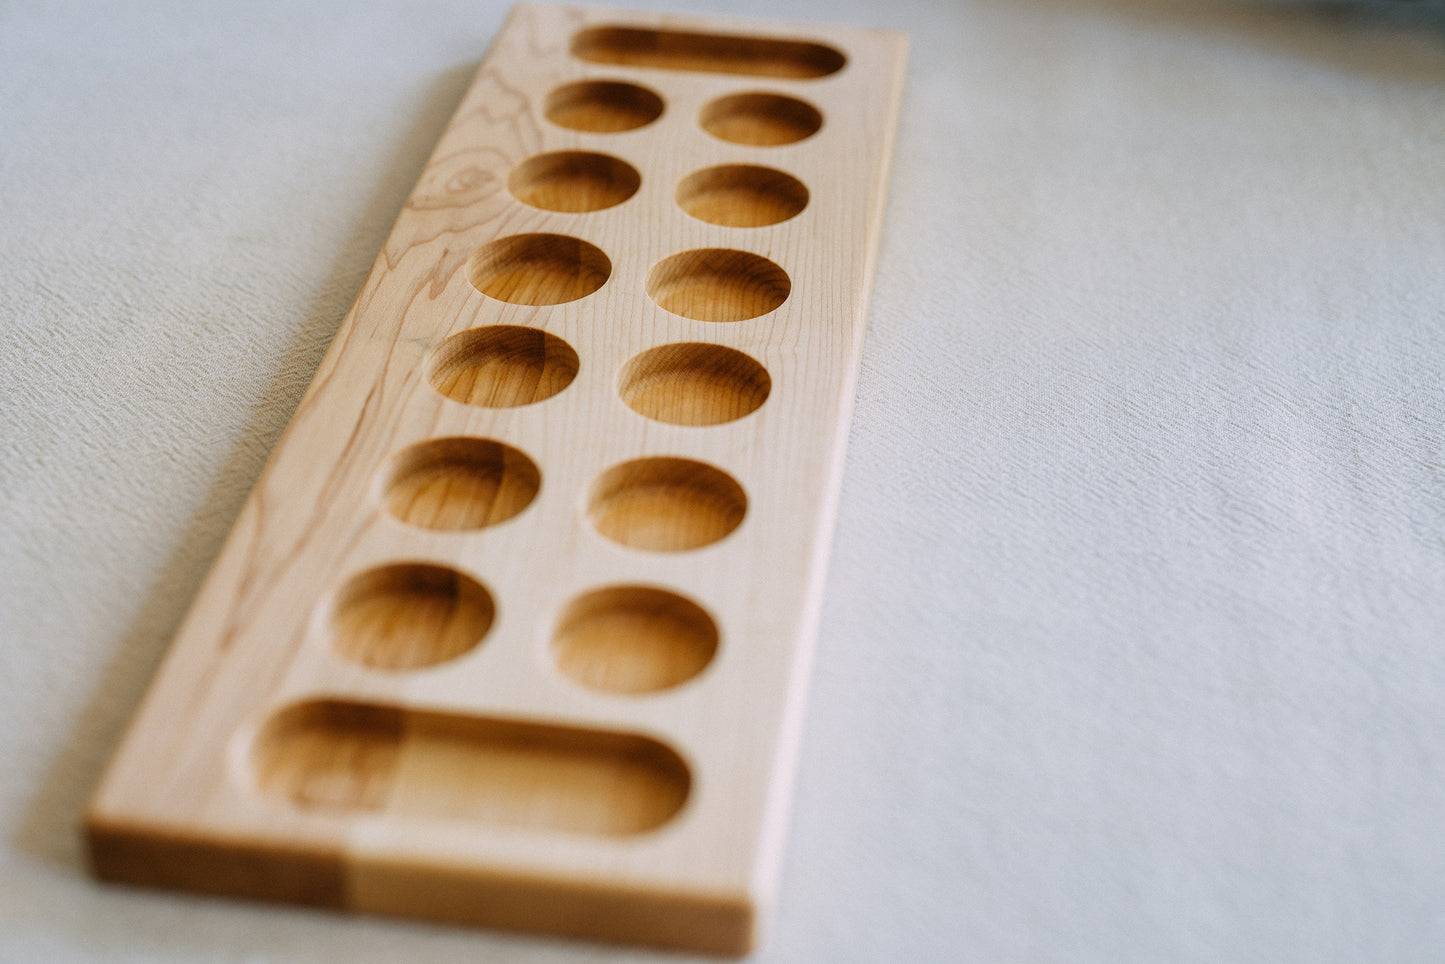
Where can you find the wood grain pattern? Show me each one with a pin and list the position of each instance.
(515, 627)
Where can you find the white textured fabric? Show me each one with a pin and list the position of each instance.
(1134, 647)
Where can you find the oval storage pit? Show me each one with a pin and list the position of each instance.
(364, 758)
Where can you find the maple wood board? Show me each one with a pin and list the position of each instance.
(516, 625)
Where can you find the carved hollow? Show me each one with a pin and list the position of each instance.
(409, 615)
(694, 384)
(538, 269)
(573, 182)
(708, 53)
(633, 639)
(460, 483)
(742, 196)
(718, 284)
(666, 504)
(502, 366)
(760, 120)
(603, 106)
(346, 757)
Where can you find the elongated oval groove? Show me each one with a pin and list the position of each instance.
(707, 52)
(342, 756)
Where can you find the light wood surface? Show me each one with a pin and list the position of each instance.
(516, 625)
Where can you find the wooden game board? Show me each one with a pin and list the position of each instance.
(516, 625)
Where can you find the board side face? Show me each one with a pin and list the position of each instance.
(515, 627)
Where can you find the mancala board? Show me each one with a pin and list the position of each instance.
(515, 627)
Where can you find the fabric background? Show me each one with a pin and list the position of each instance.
(1132, 648)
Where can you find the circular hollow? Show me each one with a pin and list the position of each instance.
(694, 384)
(573, 181)
(538, 269)
(502, 366)
(718, 284)
(603, 106)
(760, 120)
(460, 483)
(409, 615)
(741, 196)
(666, 504)
(633, 639)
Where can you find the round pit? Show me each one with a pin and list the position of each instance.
(460, 483)
(603, 106)
(694, 384)
(742, 196)
(410, 615)
(538, 269)
(718, 284)
(573, 182)
(666, 504)
(502, 366)
(633, 639)
(760, 120)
